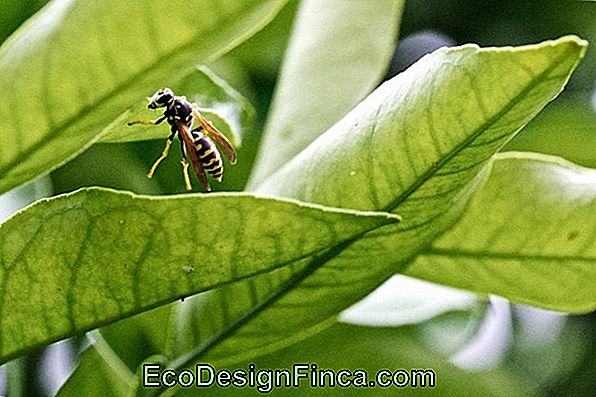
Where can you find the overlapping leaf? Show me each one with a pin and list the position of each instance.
(529, 235)
(14, 13)
(416, 146)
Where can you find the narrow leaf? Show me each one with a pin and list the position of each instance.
(337, 54)
(415, 146)
(73, 68)
(529, 235)
(119, 254)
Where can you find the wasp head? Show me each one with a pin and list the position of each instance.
(161, 98)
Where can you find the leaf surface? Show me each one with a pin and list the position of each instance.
(14, 13)
(119, 254)
(338, 52)
(529, 235)
(351, 347)
(566, 129)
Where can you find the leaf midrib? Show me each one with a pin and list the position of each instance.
(47, 140)
(455, 151)
(468, 254)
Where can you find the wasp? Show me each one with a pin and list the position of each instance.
(198, 144)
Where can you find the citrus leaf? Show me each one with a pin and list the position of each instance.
(528, 235)
(73, 69)
(81, 260)
(338, 52)
(417, 146)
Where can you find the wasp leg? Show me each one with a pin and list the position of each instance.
(147, 122)
(185, 172)
(164, 154)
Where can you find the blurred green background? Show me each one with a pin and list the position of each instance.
(560, 361)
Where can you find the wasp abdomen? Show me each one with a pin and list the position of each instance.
(209, 156)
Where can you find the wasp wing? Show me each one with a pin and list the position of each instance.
(218, 137)
(187, 140)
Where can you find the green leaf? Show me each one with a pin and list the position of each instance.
(119, 254)
(72, 69)
(219, 102)
(16, 199)
(352, 347)
(416, 146)
(370, 349)
(528, 235)
(140, 336)
(565, 128)
(99, 373)
(262, 54)
(338, 52)
(438, 121)
(103, 165)
(405, 300)
(16, 380)
(14, 13)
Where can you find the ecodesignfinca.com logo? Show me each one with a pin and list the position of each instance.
(299, 375)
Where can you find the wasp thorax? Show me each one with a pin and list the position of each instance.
(160, 99)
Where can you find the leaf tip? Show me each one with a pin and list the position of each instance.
(571, 41)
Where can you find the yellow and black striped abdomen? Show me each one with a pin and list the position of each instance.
(209, 156)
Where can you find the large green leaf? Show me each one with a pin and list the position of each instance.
(73, 69)
(415, 146)
(338, 52)
(528, 235)
(81, 260)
